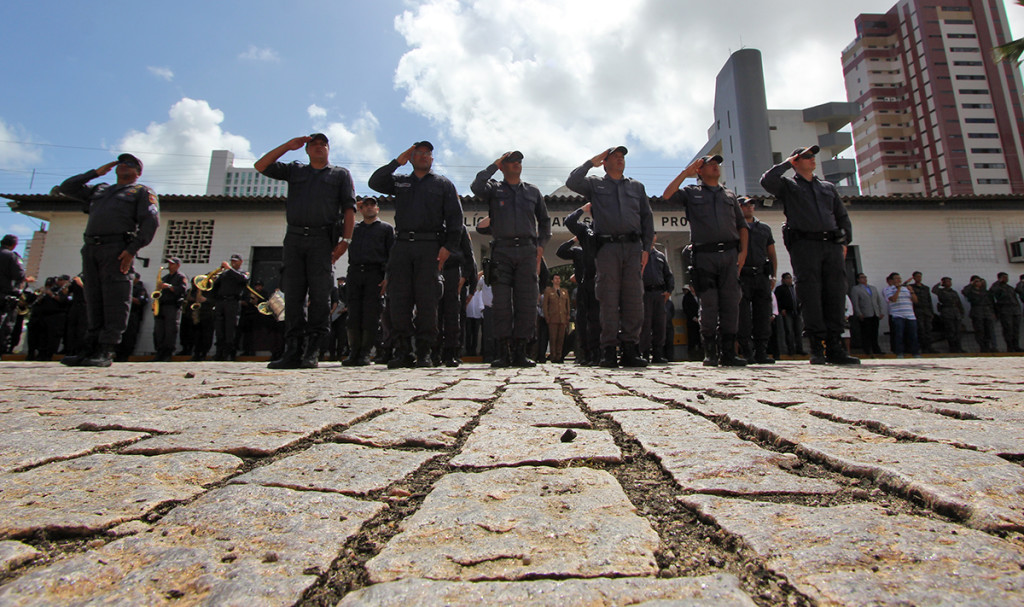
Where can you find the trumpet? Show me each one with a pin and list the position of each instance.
(204, 282)
(255, 292)
(156, 294)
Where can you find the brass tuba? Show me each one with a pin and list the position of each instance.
(156, 294)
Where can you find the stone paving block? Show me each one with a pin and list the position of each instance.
(92, 493)
(15, 554)
(468, 390)
(33, 447)
(984, 435)
(604, 404)
(588, 390)
(708, 591)
(859, 555)
(430, 424)
(239, 545)
(258, 433)
(984, 490)
(351, 469)
(508, 444)
(510, 523)
(537, 408)
(703, 458)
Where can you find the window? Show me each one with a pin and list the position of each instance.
(983, 135)
(974, 91)
(970, 77)
(189, 240)
(989, 165)
(977, 106)
(964, 49)
(958, 22)
(968, 63)
(986, 150)
(993, 181)
(961, 35)
(980, 120)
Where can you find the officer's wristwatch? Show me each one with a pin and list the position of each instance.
(346, 240)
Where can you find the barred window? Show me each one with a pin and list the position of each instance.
(972, 240)
(189, 240)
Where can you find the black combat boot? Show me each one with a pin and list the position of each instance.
(519, 357)
(451, 357)
(761, 356)
(818, 350)
(631, 356)
(366, 344)
(710, 352)
(402, 357)
(423, 359)
(101, 357)
(75, 360)
(311, 354)
(502, 358)
(290, 357)
(355, 352)
(836, 354)
(728, 357)
(609, 359)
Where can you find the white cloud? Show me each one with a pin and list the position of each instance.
(161, 72)
(315, 111)
(356, 147)
(562, 80)
(16, 150)
(176, 153)
(255, 53)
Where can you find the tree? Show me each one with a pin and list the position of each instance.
(1011, 51)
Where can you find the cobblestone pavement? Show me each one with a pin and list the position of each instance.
(896, 482)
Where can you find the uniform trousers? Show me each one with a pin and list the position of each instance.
(951, 331)
(226, 324)
(365, 303)
(755, 321)
(1009, 320)
(719, 292)
(8, 317)
(620, 292)
(413, 281)
(820, 272)
(307, 270)
(165, 327)
(588, 318)
(984, 330)
(515, 290)
(450, 308)
(108, 294)
(652, 336)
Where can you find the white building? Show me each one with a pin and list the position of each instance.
(227, 179)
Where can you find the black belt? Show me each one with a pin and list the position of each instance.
(363, 267)
(517, 242)
(716, 247)
(308, 231)
(653, 288)
(750, 270)
(414, 236)
(607, 238)
(105, 239)
(828, 236)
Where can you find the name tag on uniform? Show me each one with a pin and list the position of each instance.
(401, 184)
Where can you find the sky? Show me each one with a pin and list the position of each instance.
(560, 80)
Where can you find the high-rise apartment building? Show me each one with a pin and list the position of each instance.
(225, 178)
(939, 116)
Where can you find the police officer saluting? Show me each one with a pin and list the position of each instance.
(428, 221)
(624, 228)
(321, 198)
(122, 219)
(517, 218)
(718, 236)
(816, 233)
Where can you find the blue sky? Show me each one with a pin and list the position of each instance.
(558, 79)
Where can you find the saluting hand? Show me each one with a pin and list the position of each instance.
(693, 168)
(406, 155)
(597, 160)
(298, 142)
(103, 170)
(502, 159)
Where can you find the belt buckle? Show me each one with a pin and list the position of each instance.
(96, 240)
(721, 247)
(411, 236)
(305, 230)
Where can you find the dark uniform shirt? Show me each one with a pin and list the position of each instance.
(174, 291)
(981, 302)
(516, 211)
(923, 307)
(1004, 297)
(585, 236)
(316, 197)
(427, 205)
(371, 243)
(657, 273)
(463, 257)
(11, 272)
(759, 239)
(810, 206)
(620, 207)
(230, 284)
(950, 305)
(116, 209)
(713, 213)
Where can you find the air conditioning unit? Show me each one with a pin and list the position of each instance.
(1015, 250)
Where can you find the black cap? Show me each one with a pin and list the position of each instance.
(745, 200)
(424, 144)
(812, 150)
(515, 156)
(63, 277)
(236, 257)
(173, 260)
(713, 158)
(129, 160)
(620, 148)
(319, 137)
